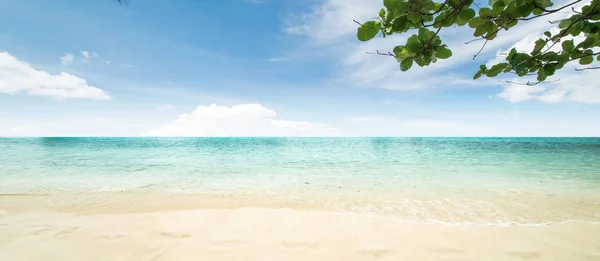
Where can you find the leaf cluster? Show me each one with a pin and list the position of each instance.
(426, 18)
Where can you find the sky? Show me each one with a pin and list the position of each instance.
(261, 68)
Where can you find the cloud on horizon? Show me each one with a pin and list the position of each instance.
(239, 120)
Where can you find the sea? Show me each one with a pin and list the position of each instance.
(528, 181)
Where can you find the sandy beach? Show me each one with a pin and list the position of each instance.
(35, 231)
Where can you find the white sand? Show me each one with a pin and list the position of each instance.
(278, 234)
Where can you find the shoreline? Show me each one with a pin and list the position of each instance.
(525, 209)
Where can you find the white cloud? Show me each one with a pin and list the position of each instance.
(572, 86)
(67, 58)
(239, 120)
(107, 62)
(517, 93)
(331, 20)
(87, 56)
(17, 76)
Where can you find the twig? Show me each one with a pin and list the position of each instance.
(380, 53)
(528, 82)
(483, 46)
(588, 68)
(477, 39)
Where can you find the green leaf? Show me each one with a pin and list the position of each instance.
(593, 28)
(564, 23)
(576, 54)
(590, 41)
(522, 10)
(548, 34)
(437, 6)
(541, 75)
(576, 29)
(425, 34)
(420, 61)
(391, 4)
(511, 24)
(467, 14)
(396, 7)
(497, 9)
(511, 54)
(414, 45)
(586, 60)
(432, 56)
(459, 21)
(492, 2)
(539, 44)
(368, 30)
(443, 53)
(586, 9)
(476, 22)
(485, 12)
(400, 24)
(550, 69)
(488, 27)
(426, 58)
(437, 23)
(544, 3)
(537, 11)
(477, 75)
(401, 53)
(414, 18)
(406, 64)
(382, 14)
(492, 31)
(496, 69)
(568, 46)
(454, 3)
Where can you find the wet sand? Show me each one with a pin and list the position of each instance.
(36, 228)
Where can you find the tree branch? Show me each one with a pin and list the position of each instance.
(454, 12)
(584, 55)
(561, 8)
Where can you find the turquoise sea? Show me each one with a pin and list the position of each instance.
(389, 170)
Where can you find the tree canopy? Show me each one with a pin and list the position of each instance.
(426, 18)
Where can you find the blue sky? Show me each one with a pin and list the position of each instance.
(271, 68)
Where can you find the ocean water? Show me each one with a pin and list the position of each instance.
(514, 179)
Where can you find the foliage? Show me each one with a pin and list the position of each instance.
(428, 18)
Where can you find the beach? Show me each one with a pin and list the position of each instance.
(299, 199)
(276, 234)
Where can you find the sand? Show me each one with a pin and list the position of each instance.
(34, 231)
